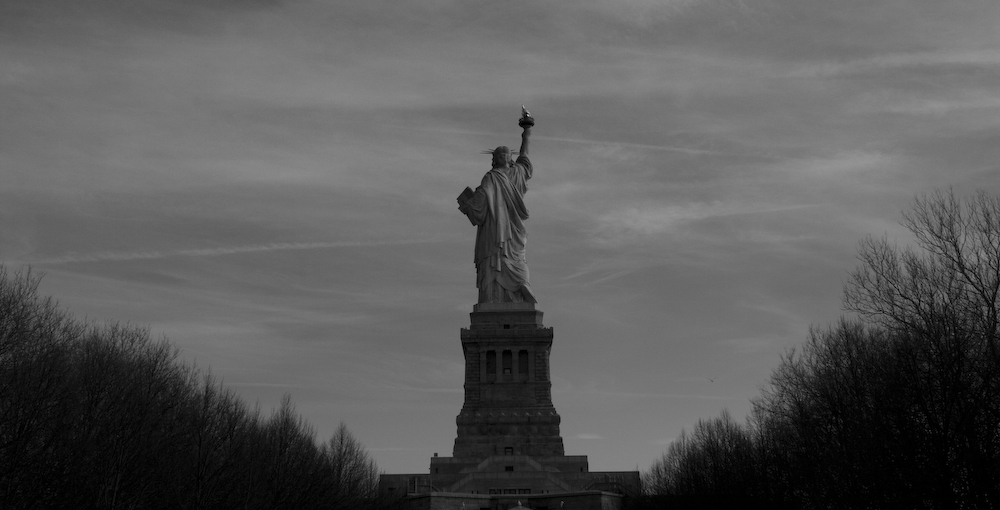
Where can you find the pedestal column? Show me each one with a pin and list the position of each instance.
(508, 395)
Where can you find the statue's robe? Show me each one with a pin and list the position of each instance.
(497, 208)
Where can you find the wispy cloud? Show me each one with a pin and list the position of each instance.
(219, 251)
(976, 59)
(663, 148)
(631, 222)
(930, 103)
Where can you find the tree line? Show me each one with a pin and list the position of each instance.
(897, 407)
(102, 416)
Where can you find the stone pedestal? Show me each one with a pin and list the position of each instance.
(508, 395)
(508, 446)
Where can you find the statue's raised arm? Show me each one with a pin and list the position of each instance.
(497, 209)
(526, 122)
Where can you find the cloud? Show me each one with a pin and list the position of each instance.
(595, 276)
(629, 223)
(220, 251)
(952, 61)
(664, 148)
(588, 436)
(934, 103)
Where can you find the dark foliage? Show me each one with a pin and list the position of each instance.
(104, 417)
(897, 409)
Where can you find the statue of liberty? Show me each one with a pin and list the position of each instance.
(497, 208)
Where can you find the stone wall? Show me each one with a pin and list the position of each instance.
(584, 500)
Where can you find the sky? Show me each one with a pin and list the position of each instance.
(270, 185)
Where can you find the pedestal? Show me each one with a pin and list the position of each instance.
(508, 395)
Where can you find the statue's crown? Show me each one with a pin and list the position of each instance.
(503, 149)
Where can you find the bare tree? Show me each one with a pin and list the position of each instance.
(714, 465)
(943, 296)
(836, 422)
(102, 416)
(949, 282)
(354, 473)
(898, 409)
(36, 364)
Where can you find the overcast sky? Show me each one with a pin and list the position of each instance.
(271, 186)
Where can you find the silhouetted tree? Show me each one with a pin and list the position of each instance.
(101, 416)
(718, 464)
(943, 299)
(899, 409)
(36, 363)
(838, 424)
(355, 475)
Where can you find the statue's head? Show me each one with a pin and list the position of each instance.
(502, 156)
